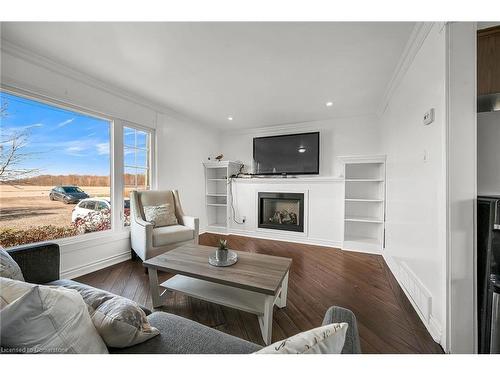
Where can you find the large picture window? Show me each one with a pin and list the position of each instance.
(56, 170)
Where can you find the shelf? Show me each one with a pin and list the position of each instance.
(363, 200)
(217, 204)
(236, 298)
(218, 225)
(363, 240)
(217, 179)
(362, 219)
(364, 180)
(216, 195)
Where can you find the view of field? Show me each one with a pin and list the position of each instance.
(24, 206)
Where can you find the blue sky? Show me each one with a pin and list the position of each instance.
(63, 142)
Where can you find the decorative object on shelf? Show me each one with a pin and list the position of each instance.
(219, 158)
(223, 257)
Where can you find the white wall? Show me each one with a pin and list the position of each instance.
(178, 140)
(461, 145)
(339, 136)
(488, 153)
(182, 147)
(416, 180)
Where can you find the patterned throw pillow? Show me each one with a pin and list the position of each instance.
(160, 216)
(327, 339)
(120, 321)
(43, 319)
(8, 266)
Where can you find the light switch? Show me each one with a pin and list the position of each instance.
(429, 117)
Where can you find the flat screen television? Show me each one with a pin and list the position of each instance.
(288, 154)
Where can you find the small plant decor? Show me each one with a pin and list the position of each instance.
(222, 244)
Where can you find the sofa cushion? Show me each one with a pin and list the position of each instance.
(172, 234)
(120, 321)
(160, 216)
(44, 319)
(327, 339)
(182, 336)
(8, 266)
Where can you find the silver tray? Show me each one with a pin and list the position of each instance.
(231, 259)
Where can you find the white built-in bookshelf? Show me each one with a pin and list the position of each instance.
(218, 194)
(364, 203)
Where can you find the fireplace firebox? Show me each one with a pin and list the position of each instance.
(282, 211)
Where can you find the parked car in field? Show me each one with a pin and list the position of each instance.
(67, 194)
(94, 214)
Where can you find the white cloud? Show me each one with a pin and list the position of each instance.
(66, 122)
(102, 148)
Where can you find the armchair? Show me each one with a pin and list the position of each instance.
(148, 241)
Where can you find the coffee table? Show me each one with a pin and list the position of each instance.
(254, 284)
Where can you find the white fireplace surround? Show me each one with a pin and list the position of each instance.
(323, 209)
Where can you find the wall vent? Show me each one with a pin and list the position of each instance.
(416, 290)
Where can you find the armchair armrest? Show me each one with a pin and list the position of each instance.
(143, 223)
(39, 263)
(191, 222)
(337, 314)
(194, 224)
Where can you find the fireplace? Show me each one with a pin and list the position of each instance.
(282, 211)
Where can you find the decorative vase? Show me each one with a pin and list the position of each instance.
(221, 252)
(221, 255)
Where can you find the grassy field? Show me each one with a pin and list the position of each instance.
(24, 206)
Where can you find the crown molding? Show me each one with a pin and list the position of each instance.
(64, 70)
(292, 127)
(415, 42)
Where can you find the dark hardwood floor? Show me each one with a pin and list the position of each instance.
(320, 277)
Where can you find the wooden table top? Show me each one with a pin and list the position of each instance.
(256, 272)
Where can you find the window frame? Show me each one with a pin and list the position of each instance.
(151, 148)
(116, 161)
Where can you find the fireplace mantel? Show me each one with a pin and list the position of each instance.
(288, 180)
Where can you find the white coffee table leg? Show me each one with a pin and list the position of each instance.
(281, 300)
(154, 287)
(266, 320)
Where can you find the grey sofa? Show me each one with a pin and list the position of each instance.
(40, 265)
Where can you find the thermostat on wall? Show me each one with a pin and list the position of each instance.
(429, 117)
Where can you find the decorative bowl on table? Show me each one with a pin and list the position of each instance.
(223, 257)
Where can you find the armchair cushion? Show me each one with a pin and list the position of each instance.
(161, 216)
(155, 198)
(171, 234)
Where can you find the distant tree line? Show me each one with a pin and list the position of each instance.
(78, 180)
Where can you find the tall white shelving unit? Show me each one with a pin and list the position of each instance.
(364, 203)
(218, 194)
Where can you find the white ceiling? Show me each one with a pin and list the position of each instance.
(261, 74)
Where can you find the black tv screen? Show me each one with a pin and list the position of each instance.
(286, 154)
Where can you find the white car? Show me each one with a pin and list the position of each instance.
(88, 205)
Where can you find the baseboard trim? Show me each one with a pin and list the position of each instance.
(435, 330)
(431, 324)
(275, 237)
(95, 266)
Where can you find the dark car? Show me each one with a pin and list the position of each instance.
(67, 194)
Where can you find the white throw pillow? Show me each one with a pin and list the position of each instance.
(327, 339)
(42, 319)
(120, 321)
(8, 266)
(161, 216)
